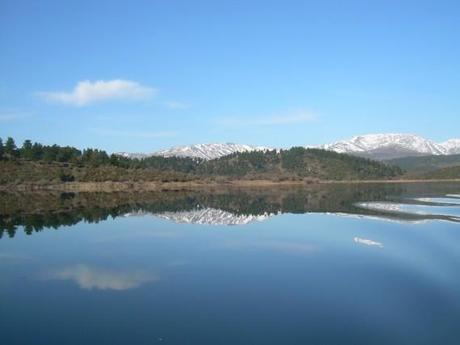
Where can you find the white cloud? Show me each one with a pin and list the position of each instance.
(176, 105)
(87, 92)
(89, 278)
(272, 120)
(133, 134)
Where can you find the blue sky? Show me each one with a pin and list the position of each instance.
(144, 75)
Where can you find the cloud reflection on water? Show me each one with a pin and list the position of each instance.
(89, 278)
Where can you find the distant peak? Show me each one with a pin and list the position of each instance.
(207, 151)
(374, 145)
(393, 145)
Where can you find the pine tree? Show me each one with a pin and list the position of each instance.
(26, 150)
(37, 151)
(10, 148)
(1, 149)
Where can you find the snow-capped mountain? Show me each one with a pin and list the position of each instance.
(203, 151)
(452, 146)
(388, 146)
(375, 146)
(207, 151)
(132, 155)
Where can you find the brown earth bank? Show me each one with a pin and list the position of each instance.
(112, 186)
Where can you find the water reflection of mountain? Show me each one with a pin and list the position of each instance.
(212, 216)
(37, 211)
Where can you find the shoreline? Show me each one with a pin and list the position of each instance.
(110, 186)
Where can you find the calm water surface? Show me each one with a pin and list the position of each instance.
(324, 265)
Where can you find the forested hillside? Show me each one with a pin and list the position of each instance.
(37, 163)
(423, 164)
(298, 162)
(444, 173)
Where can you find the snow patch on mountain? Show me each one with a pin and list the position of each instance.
(202, 151)
(132, 155)
(393, 145)
(208, 151)
(452, 146)
(376, 146)
(371, 142)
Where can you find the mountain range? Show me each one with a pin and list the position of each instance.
(208, 151)
(201, 151)
(392, 145)
(374, 146)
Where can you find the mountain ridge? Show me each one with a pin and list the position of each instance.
(205, 151)
(383, 146)
(392, 145)
(424, 164)
(208, 151)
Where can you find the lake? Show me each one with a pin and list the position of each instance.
(332, 264)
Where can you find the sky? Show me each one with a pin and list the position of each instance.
(140, 76)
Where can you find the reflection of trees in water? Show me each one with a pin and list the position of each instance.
(57, 210)
(37, 211)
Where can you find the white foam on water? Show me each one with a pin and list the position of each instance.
(368, 242)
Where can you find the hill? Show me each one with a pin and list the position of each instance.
(393, 145)
(444, 173)
(207, 151)
(374, 146)
(297, 162)
(38, 164)
(200, 151)
(424, 164)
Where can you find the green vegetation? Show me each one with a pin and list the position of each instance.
(424, 164)
(40, 164)
(298, 163)
(444, 173)
(22, 172)
(54, 153)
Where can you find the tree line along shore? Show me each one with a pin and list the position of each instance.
(35, 164)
